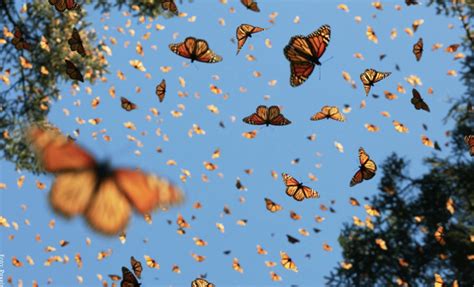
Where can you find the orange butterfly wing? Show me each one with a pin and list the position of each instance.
(259, 117)
(418, 49)
(169, 5)
(161, 90)
(251, 5)
(276, 118)
(469, 139)
(243, 32)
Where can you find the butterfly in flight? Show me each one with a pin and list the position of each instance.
(136, 266)
(418, 102)
(328, 112)
(169, 5)
(160, 90)
(411, 2)
(128, 279)
(272, 206)
(287, 262)
(418, 49)
(370, 76)
(469, 139)
(267, 116)
(251, 5)
(195, 50)
(75, 43)
(200, 282)
(62, 5)
(243, 32)
(104, 195)
(297, 190)
(19, 40)
(366, 170)
(73, 72)
(304, 53)
(127, 105)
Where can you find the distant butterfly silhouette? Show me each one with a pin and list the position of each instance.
(62, 5)
(297, 190)
(160, 90)
(19, 41)
(272, 206)
(328, 112)
(370, 76)
(304, 52)
(251, 5)
(267, 116)
(469, 139)
(411, 2)
(75, 43)
(83, 186)
(418, 49)
(128, 279)
(127, 105)
(73, 72)
(169, 5)
(195, 50)
(136, 266)
(243, 32)
(418, 102)
(366, 170)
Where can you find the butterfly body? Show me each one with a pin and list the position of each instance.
(304, 53)
(195, 50)
(267, 116)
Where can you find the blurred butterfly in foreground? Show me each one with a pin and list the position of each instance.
(366, 170)
(370, 76)
(73, 72)
(136, 266)
(328, 112)
(169, 5)
(251, 5)
(297, 190)
(418, 49)
(62, 5)
(267, 116)
(19, 41)
(75, 43)
(411, 2)
(272, 206)
(196, 50)
(304, 53)
(418, 102)
(243, 32)
(104, 195)
(200, 282)
(160, 90)
(127, 105)
(469, 139)
(128, 279)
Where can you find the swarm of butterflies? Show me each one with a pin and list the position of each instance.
(108, 195)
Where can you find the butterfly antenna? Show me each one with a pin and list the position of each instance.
(327, 60)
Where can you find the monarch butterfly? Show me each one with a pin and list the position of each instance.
(469, 140)
(297, 190)
(411, 2)
(243, 32)
(370, 76)
(399, 127)
(292, 239)
(102, 194)
(75, 43)
(196, 50)
(62, 5)
(439, 235)
(160, 90)
(150, 262)
(267, 116)
(127, 105)
(328, 112)
(251, 5)
(418, 49)
(169, 5)
(136, 266)
(128, 279)
(236, 265)
(272, 206)
(304, 53)
(287, 262)
(19, 41)
(418, 102)
(73, 72)
(366, 170)
(200, 282)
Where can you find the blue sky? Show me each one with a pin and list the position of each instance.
(273, 149)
